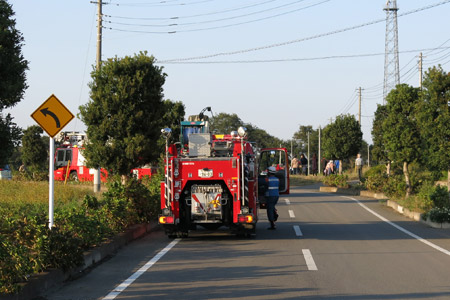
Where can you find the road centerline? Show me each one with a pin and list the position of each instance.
(309, 260)
(291, 214)
(297, 230)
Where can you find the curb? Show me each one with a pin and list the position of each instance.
(44, 281)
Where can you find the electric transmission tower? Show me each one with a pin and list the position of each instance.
(391, 65)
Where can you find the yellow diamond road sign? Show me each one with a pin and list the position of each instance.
(52, 115)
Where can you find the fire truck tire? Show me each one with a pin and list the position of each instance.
(73, 176)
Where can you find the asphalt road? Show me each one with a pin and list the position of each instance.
(326, 246)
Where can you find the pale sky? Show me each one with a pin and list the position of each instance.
(277, 64)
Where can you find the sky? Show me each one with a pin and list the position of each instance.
(277, 64)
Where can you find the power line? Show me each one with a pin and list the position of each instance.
(193, 16)
(302, 39)
(218, 27)
(288, 59)
(211, 21)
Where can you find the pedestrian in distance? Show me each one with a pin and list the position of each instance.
(359, 165)
(272, 196)
(294, 164)
(304, 163)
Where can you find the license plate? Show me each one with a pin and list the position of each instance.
(205, 173)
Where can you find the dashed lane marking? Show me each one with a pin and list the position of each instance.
(297, 230)
(291, 214)
(309, 260)
(287, 201)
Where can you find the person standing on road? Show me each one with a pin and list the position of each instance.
(272, 196)
(358, 165)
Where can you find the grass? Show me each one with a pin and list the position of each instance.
(301, 180)
(36, 192)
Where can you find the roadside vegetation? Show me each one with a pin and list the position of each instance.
(82, 220)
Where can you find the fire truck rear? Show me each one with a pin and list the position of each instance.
(211, 181)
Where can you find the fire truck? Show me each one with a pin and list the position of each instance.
(70, 162)
(211, 180)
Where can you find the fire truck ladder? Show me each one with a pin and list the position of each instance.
(169, 184)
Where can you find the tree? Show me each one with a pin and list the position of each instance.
(401, 135)
(34, 149)
(124, 116)
(302, 134)
(379, 151)
(174, 114)
(433, 115)
(342, 138)
(10, 135)
(12, 63)
(224, 123)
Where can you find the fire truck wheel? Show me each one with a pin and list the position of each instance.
(73, 176)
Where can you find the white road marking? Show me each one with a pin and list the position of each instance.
(121, 287)
(309, 260)
(291, 214)
(445, 251)
(287, 201)
(297, 230)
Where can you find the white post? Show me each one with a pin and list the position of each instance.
(97, 180)
(51, 185)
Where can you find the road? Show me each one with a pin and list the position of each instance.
(326, 246)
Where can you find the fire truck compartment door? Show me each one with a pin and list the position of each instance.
(278, 158)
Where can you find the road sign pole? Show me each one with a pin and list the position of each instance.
(51, 186)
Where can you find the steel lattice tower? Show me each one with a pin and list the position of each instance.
(391, 64)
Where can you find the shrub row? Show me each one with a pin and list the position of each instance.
(27, 246)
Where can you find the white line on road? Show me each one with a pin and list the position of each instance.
(291, 214)
(445, 251)
(287, 201)
(297, 230)
(309, 260)
(121, 287)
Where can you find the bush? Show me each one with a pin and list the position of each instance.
(438, 215)
(376, 178)
(336, 180)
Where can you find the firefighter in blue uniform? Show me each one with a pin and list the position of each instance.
(272, 196)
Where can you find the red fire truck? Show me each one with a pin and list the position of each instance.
(70, 162)
(211, 180)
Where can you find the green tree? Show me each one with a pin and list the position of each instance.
(12, 63)
(342, 139)
(124, 115)
(224, 123)
(401, 135)
(10, 135)
(433, 115)
(34, 149)
(174, 114)
(300, 140)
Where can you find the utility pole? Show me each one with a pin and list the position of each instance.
(420, 69)
(319, 170)
(97, 179)
(359, 111)
(308, 155)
